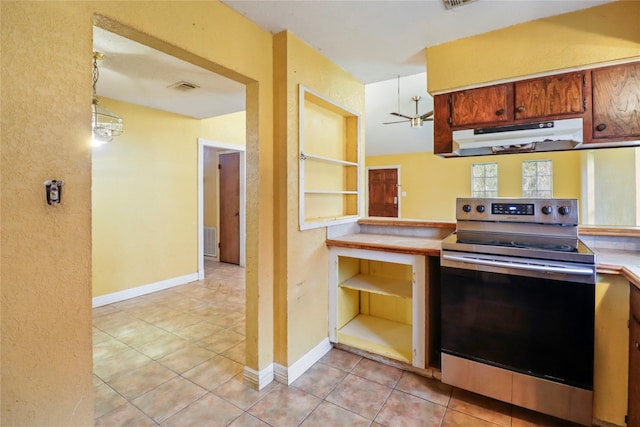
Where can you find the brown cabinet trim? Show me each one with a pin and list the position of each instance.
(443, 129)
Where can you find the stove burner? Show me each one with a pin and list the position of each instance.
(521, 245)
(545, 246)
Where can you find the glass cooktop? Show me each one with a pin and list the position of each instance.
(520, 244)
(574, 250)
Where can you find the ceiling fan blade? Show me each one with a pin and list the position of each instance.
(390, 123)
(425, 115)
(402, 115)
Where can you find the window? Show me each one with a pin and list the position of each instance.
(537, 178)
(484, 180)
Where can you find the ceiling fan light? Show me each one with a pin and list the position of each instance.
(416, 122)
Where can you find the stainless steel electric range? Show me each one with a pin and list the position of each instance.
(518, 305)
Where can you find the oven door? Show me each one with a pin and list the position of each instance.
(537, 326)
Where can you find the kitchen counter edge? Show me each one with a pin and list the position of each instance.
(390, 243)
(608, 261)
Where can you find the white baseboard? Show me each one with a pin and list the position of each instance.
(143, 290)
(258, 380)
(287, 375)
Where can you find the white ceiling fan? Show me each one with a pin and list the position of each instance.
(417, 120)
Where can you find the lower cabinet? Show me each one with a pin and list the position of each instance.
(377, 303)
(634, 359)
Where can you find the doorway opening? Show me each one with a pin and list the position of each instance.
(144, 236)
(223, 207)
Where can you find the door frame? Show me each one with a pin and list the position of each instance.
(397, 168)
(223, 147)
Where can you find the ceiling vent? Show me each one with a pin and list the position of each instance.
(184, 86)
(450, 4)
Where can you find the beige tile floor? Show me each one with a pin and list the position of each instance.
(175, 358)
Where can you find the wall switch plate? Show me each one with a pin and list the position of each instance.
(404, 194)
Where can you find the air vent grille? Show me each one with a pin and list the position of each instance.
(184, 86)
(450, 4)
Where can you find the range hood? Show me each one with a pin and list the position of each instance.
(521, 138)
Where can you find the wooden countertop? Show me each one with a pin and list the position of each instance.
(402, 222)
(600, 230)
(608, 261)
(389, 243)
(617, 261)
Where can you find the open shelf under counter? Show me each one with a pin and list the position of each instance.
(379, 285)
(380, 336)
(377, 303)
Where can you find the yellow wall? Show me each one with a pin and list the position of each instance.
(144, 200)
(302, 268)
(229, 128)
(45, 269)
(603, 33)
(611, 362)
(46, 250)
(615, 180)
(433, 183)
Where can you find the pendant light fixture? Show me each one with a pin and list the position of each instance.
(105, 124)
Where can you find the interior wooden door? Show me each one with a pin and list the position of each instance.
(230, 207)
(383, 192)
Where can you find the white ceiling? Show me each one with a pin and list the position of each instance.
(379, 40)
(138, 74)
(376, 41)
(381, 98)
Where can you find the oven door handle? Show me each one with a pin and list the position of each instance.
(520, 266)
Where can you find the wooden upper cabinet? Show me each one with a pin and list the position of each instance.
(480, 106)
(616, 101)
(607, 99)
(549, 96)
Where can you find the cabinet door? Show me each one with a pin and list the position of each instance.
(616, 101)
(479, 106)
(634, 373)
(549, 96)
(634, 358)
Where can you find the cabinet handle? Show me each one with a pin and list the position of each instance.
(500, 112)
(601, 127)
(520, 109)
(637, 345)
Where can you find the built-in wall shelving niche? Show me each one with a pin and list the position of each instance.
(329, 162)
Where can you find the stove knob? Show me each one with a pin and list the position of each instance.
(466, 208)
(480, 208)
(546, 210)
(564, 210)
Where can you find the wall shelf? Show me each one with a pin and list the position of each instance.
(379, 285)
(304, 156)
(329, 173)
(329, 192)
(380, 336)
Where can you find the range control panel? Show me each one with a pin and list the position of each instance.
(544, 211)
(512, 208)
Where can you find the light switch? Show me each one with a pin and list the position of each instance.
(404, 194)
